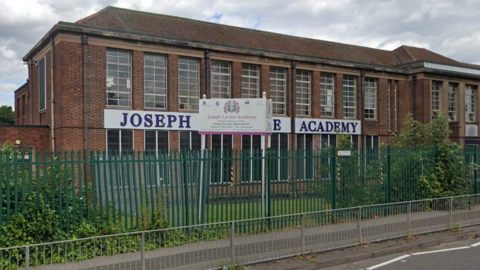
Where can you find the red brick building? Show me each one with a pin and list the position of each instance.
(121, 61)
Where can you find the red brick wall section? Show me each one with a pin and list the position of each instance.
(27, 135)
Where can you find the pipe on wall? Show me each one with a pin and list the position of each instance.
(52, 98)
(294, 65)
(414, 82)
(85, 138)
(362, 101)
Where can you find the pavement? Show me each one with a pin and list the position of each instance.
(349, 255)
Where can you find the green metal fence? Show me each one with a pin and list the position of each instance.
(196, 187)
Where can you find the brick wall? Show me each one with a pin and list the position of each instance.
(36, 136)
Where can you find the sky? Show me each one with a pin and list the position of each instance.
(450, 28)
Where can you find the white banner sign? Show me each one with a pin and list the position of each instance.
(327, 126)
(128, 119)
(471, 130)
(235, 116)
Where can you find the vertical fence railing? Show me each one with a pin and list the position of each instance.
(193, 187)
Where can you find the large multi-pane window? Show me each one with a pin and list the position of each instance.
(156, 140)
(222, 162)
(251, 159)
(278, 90)
(436, 88)
(470, 93)
(250, 81)
(279, 148)
(328, 140)
(452, 101)
(188, 83)
(303, 90)
(326, 94)
(305, 165)
(370, 98)
(119, 140)
(220, 81)
(155, 80)
(42, 84)
(119, 78)
(349, 97)
(190, 140)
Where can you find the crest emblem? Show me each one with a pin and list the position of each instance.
(231, 106)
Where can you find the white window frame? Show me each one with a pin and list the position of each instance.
(156, 87)
(250, 81)
(278, 90)
(221, 157)
(349, 92)
(470, 103)
(303, 92)
(42, 92)
(221, 81)
(327, 94)
(117, 79)
(370, 85)
(436, 98)
(452, 101)
(188, 77)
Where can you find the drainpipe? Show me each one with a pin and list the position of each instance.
(30, 72)
(294, 65)
(414, 80)
(207, 59)
(51, 93)
(85, 140)
(362, 101)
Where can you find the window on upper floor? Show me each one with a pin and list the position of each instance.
(155, 81)
(452, 101)
(470, 97)
(119, 78)
(326, 95)
(42, 84)
(435, 96)
(188, 83)
(250, 81)
(221, 79)
(303, 93)
(349, 97)
(370, 98)
(278, 90)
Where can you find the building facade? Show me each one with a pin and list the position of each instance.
(122, 62)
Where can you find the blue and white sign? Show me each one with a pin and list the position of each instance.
(327, 126)
(281, 125)
(129, 119)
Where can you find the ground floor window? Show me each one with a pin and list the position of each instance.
(222, 163)
(251, 158)
(119, 140)
(372, 142)
(279, 154)
(305, 165)
(190, 140)
(156, 140)
(327, 140)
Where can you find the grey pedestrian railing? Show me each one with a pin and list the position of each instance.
(214, 246)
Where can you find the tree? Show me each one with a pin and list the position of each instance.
(7, 116)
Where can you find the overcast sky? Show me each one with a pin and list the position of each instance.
(451, 28)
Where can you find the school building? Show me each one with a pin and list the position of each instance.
(89, 82)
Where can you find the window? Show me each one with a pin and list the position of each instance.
(119, 140)
(326, 94)
(279, 150)
(188, 83)
(251, 158)
(470, 96)
(370, 98)
(222, 158)
(436, 86)
(278, 90)
(220, 79)
(328, 140)
(305, 165)
(119, 75)
(156, 140)
(250, 81)
(371, 142)
(452, 101)
(349, 97)
(42, 84)
(303, 92)
(155, 81)
(190, 140)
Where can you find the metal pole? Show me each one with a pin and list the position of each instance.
(303, 234)
(142, 251)
(359, 225)
(409, 218)
(232, 242)
(362, 105)
(451, 212)
(27, 258)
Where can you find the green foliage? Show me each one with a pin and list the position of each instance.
(344, 142)
(7, 115)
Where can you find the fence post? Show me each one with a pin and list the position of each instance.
(451, 212)
(232, 242)
(143, 250)
(389, 177)
(333, 166)
(359, 225)
(27, 258)
(409, 218)
(303, 234)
